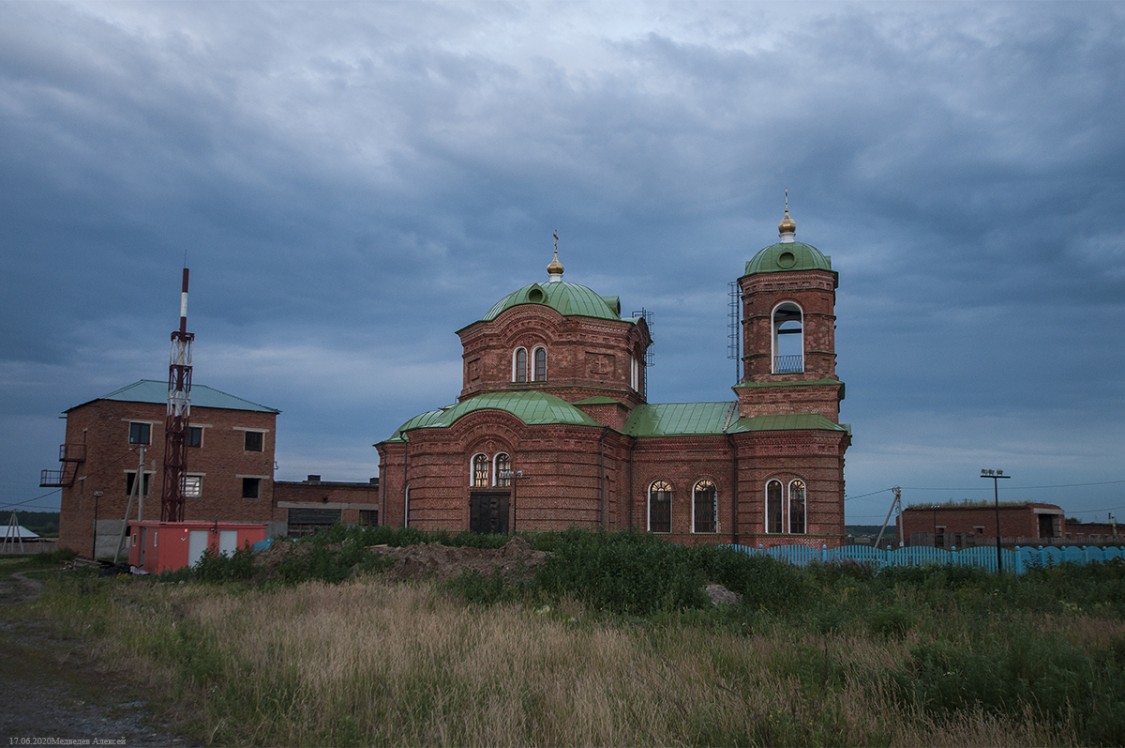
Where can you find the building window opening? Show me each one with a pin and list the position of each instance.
(660, 507)
(503, 471)
(251, 488)
(140, 433)
(788, 339)
(519, 365)
(797, 507)
(773, 506)
(254, 441)
(479, 477)
(705, 507)
(192, 486)
(131, 478)
(540, 359)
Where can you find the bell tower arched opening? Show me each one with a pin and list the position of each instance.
(788, 349)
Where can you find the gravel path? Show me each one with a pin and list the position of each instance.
(51, 694)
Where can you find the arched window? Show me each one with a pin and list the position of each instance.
(788, 339)
(660, 507)
(797, 506)
(479, 475)
(539, 356)
(773, 506)
(704, 507)
(519, 365)
(503, 470)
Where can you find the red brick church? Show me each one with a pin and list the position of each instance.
(552, 428)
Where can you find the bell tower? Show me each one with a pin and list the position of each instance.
(788, 295)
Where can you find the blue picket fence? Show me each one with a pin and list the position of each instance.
(1015, 560)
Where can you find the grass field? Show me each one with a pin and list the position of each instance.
(613, 643)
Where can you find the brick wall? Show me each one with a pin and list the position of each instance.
(222, 461)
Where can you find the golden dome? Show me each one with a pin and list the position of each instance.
(787, 225)
(556, 267)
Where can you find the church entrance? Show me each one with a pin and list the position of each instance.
(488, 512)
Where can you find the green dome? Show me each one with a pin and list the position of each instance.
(568, 299)
(786, 256)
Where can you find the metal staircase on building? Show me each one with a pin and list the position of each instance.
(70, 457)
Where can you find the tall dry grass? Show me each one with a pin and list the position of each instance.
(375, 663)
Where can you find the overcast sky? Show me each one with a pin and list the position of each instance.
(350, 183)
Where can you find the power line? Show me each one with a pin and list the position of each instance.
(865, 495)
(1015, 488)
(28, 501)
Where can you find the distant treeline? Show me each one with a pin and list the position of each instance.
(41, 523)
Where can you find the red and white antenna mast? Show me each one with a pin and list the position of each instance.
(179, 411)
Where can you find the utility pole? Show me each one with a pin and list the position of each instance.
(138, 490)
(996, 475)
(896, 506)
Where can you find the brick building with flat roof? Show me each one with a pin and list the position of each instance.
(552, 428)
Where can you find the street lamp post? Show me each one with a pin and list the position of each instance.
(513, 477)
(94, 542)
(996, 475)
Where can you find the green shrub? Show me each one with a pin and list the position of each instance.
(890, 621)
(763, 582)
(622, 573)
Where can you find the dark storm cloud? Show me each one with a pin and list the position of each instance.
(350, 184)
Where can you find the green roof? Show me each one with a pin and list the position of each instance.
(568, 299)
(785, 256)
(202, 396)
(788, 422)
(533, 408)
(680, 419)
(699, 419)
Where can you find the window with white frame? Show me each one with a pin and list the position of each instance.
(478, 476)
(786, 507)
(660, 506)
(704, 507)
(502, 472)
(539, 358)
(797, 507)
(519, 365)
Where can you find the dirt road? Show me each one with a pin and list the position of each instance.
(51, 694)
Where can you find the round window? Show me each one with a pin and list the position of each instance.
(787, 259)
(535, 295)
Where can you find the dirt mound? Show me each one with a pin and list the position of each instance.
(515, 561)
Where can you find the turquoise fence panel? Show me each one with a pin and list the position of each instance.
(1072, 554)
(1050, 556)
(984, 558)
(861, 554)
(798, 555)
(1016, 560)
